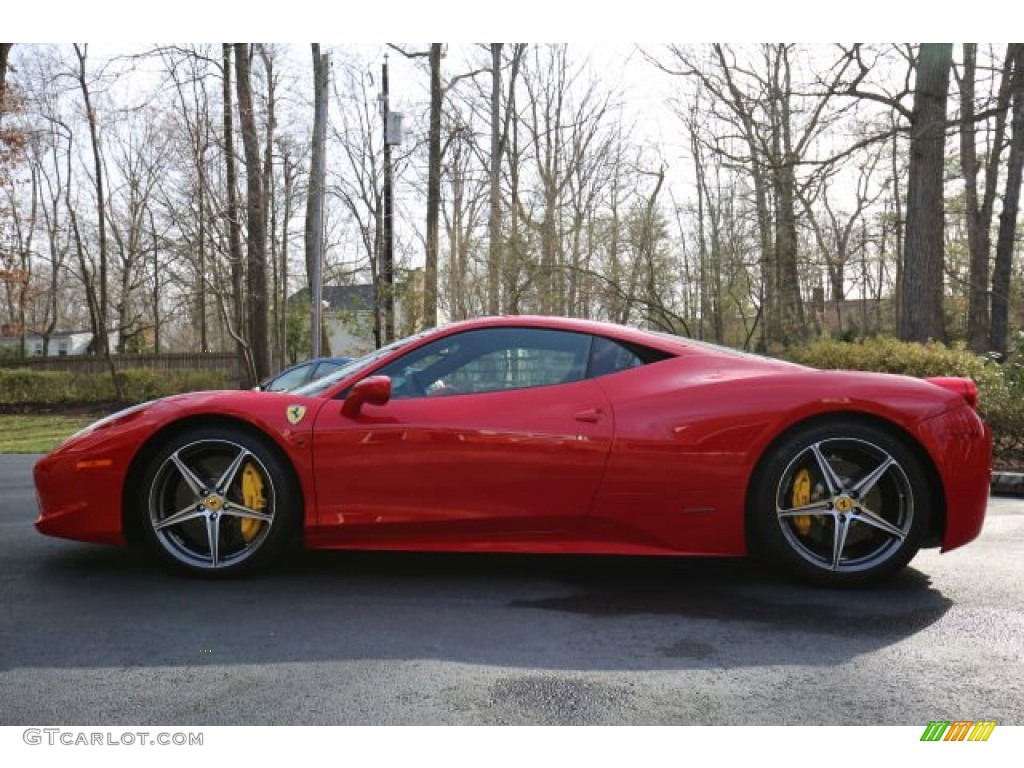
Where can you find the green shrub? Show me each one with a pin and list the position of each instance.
(26, 387)
(1000, 388)
(18, 386)
(892, 356)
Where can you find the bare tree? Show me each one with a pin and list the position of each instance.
(462, 212)
(1008, 218)
(100, 311)
(138, 160)
(710, 225)
(267, 57)
(317, 179)
(256, 226)
(359, 184)
(54, 169)
(433, 187)
(834, 229)
(5, 51)
(923, 262)
(564, 126)
(499, 132)
(777, 123)
(979, 214)
(435, 155)
(494, 177)
(16, 263)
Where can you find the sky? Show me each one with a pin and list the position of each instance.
(530, 20)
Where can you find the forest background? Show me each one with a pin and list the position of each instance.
(763, 196)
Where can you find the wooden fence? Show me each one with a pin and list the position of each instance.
(228, 362)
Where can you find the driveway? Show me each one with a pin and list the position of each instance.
(90, 634)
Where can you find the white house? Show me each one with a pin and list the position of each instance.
(348, 313)
(60, 343)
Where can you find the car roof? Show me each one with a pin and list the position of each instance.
(662, 341)
(315, 360)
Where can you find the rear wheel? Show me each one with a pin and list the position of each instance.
(217, 501)
(840, 503)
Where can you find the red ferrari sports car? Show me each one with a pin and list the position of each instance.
(539, 434)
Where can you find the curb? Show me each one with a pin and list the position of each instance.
(1008, 483)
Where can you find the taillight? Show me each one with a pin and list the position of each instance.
(966, 388)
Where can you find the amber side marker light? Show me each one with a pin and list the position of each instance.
(93, 463)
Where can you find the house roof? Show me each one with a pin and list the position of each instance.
(353, 298)
(34, 335)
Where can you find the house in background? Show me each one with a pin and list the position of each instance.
(856, 318)
(60, 343)
(348, 313)
(348, 316)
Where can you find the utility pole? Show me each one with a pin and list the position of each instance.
(387, 268)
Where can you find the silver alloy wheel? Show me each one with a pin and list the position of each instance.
(196, 506)
(844, 505)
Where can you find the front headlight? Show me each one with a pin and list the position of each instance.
(108, 420)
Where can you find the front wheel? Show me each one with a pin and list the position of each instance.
(216, 501)
(840, 503)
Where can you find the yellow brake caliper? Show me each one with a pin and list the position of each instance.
(252, 497)
(801, 497)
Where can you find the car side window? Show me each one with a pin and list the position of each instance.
(490, 360)
(609, 356)
(289, 379)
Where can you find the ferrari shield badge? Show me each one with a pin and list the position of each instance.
(295, 414)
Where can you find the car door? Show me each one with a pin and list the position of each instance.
(488, 432)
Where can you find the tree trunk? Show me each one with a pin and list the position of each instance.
(282, 333)
(784, 188)
(5, 50)
(433, 192)
(269, 207)
(922, 317)
(204, 342)
(977, 239)
(494, 177)
(979, 214)
(102, 340)
(787, 272)
(387, 265)
(317, 182)
(101, 337)
(1008, 218)
(156, 282)
(256, 250)
(234, 225)
(899, 223)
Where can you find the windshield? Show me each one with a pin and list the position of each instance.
(321, 385)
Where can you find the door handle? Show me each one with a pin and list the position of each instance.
(590, 415)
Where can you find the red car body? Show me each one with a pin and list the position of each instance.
(660, 458)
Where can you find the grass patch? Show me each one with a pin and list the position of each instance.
(37, 433)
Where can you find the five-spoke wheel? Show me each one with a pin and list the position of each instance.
(840, 503)
(216, 501)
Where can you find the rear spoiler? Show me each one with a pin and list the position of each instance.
(964, 387)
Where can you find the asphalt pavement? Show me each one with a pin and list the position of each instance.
(98, 635)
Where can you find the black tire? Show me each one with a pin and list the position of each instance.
(192, 509)
(839, 503)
